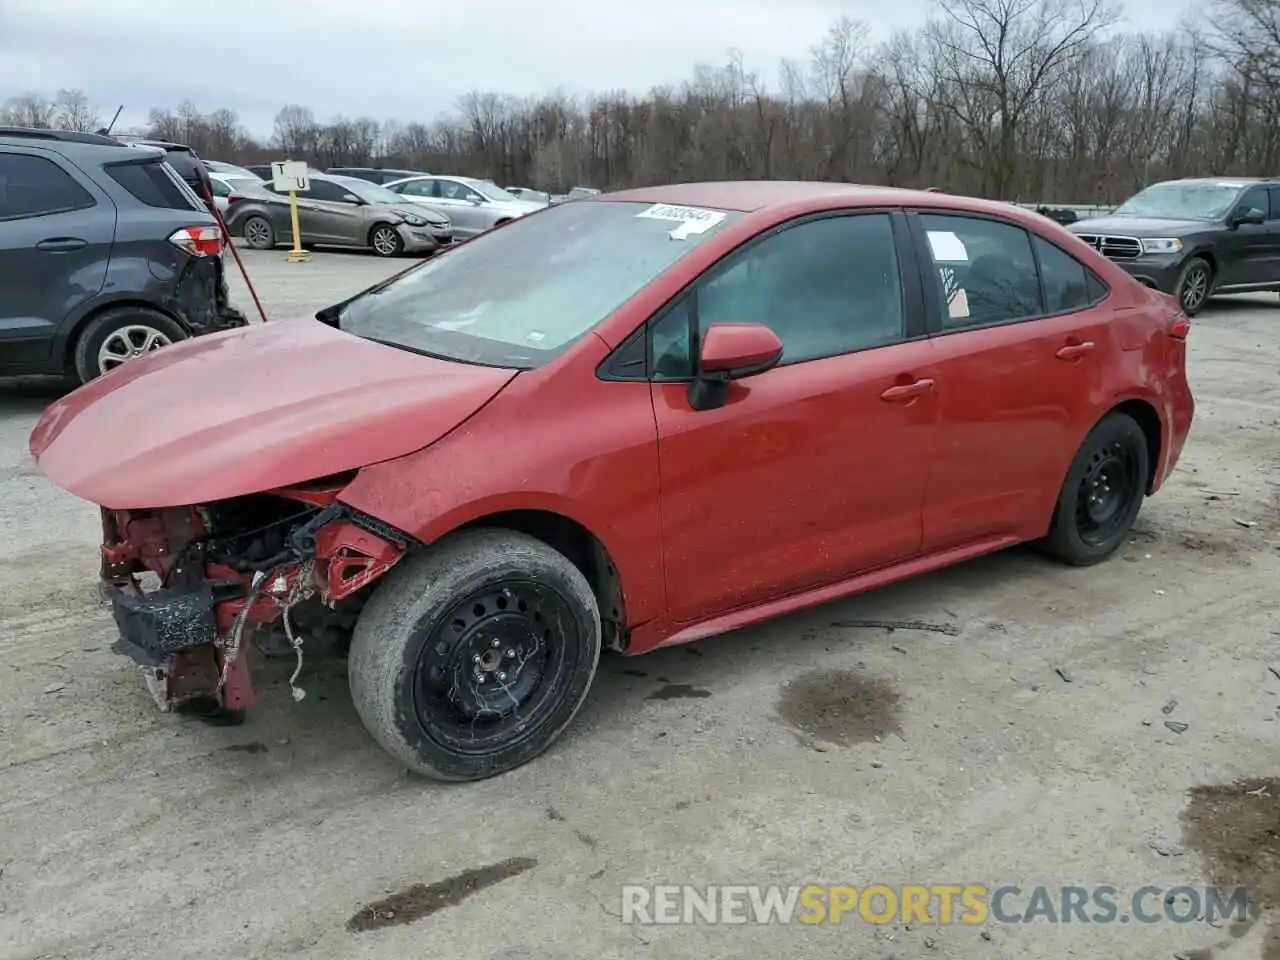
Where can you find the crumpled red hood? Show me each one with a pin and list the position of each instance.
(248, 410)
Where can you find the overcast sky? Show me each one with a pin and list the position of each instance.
(406, 60)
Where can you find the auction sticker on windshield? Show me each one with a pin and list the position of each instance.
(692, 220)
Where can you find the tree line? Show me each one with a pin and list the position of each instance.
(1031, 100)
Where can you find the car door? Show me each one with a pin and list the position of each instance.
(1248, 245)
(329, 218)
(1270, 266)
(1021, 350)
(56, 232)
(420, 192)
(455, 200)
(816, 468)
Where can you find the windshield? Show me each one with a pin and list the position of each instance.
(370, 192)
(1183, 200)
(491, 190)
(521, 295)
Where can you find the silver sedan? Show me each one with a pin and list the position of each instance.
(473, 205)
(338, 211)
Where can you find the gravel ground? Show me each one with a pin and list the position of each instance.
(1114, 725)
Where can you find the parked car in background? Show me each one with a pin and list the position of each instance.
(338, 211)
(473, 205)
(1060, 215)
(1195, 238)
(262, 170)
(105, 254)
(577, 193)
(626, 423)
(225, 184)
(531, 195)
(230, 170)
(379, 175)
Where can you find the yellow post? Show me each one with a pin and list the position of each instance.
(297, 254)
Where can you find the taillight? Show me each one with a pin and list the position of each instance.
(234, 198)
(1179, 326)
(198, 241)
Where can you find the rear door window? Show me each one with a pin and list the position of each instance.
(153, 183)
(35, 187)
(1067, 281)
(985, 270)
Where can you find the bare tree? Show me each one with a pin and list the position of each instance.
(1016, 99)
(29, 110)
(1001, 57)
(75, 112)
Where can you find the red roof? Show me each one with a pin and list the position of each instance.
(749, 195)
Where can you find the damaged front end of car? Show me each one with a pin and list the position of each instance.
(192, 589)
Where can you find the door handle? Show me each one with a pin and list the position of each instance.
(907, 391)
(1074, 351)
(62, 244)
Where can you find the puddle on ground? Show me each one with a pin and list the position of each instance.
(422, 900)
(840, 707)
(1235, 828)
(678, 691)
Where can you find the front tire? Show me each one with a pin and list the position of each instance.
(116, 336)
(1101, 495)
(1195, 283)
(471, 658)
(386, 240)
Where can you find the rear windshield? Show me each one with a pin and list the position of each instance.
(522, 294)
(152, 182)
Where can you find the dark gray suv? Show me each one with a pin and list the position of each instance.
(105, 252)
(1196, 237)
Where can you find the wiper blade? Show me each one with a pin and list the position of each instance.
(408, 349)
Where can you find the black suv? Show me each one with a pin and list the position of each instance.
(1195, 238)
(106, 253)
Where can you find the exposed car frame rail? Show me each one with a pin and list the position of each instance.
(187, 633)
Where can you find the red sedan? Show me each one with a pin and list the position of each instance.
(626, 422)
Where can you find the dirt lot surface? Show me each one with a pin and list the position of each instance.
(1029, 725)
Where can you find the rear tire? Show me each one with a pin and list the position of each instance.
(471, 658)
(118, 335)
(1101, 495)
(1195, 283)
(259, 233)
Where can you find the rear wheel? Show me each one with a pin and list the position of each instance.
(117, 336)
(470, 659)
(1194, 285)
(386, 240)
(259, 233)
(1102, 493)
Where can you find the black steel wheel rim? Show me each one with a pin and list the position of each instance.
(490, 670)
(1107, 492)
(1195, 288)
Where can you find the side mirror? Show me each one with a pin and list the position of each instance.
(731, 351)
(1248, 215)
(474, 201)
(352, 198)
